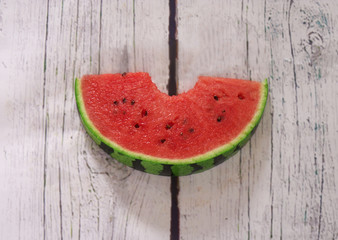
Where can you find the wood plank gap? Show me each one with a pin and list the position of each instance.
(175, 211)
(321, 197)
(293, 66)
(60, 203)
(100, 38)
(134, 36)
(46, 123)
(172, 90)
(172, 86)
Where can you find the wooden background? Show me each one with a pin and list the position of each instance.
(57, 184)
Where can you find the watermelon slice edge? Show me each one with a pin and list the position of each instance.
(170, 166)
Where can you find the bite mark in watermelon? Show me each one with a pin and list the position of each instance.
(150, 131)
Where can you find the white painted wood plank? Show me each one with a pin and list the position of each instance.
(283, 184)
(215, 204)
(22, 38)
(60, 185)
(308, 185)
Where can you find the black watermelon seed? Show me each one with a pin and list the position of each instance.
(223, 111)
(136, 125)
(124, 74)
(219, 119)
(191, 130)
(116, 102)
(169, 125)
(144, 113)
(240, 96)
(162, 140)
(132, 102)
(124, 100)
(216, 98)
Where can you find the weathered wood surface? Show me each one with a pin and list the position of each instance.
(283, 184)
(57, 184)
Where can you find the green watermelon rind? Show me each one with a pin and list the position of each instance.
(164, 166)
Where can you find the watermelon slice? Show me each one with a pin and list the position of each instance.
(135, 123)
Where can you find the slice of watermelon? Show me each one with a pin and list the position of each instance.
(150, 131)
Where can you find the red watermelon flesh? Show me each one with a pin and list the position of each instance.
(129, 110)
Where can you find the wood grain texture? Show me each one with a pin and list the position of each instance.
(59, 184)
(283, 184)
